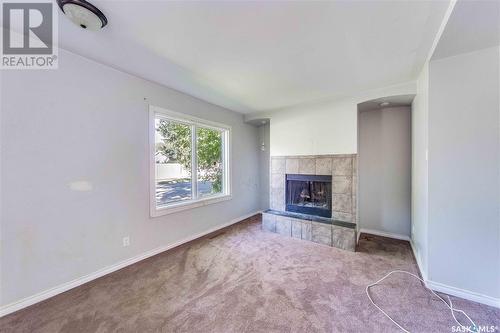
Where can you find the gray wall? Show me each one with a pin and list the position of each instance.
(264, 165)
(464, 164)
(86, 121)
(385, 170)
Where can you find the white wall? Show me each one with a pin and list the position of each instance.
(88, 122)
(319, 129)
(384, 168)
(419, 172)
(326, 127)
(464, 164)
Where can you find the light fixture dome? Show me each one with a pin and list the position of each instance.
(83, 14)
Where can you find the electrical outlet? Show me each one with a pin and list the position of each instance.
(126, 241)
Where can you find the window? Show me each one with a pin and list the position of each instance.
(189, 161)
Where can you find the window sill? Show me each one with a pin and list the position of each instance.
(177, 207)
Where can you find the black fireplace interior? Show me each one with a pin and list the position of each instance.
(309, 194)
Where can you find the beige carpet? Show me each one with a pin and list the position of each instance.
(248, 280)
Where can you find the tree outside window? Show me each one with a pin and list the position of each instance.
(173, 146)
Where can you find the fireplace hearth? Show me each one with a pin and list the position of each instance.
(309, 194)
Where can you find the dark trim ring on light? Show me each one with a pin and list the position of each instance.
(87, 5)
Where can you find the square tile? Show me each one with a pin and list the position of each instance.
(342, 166)
(278, 165)
(341, 184)
(296, 228)
(277, 181)
(342, 203)
(283, 225)
(307, 230)
(269, 222)
(307, 166)
(323, 166)
(344, 217)
(277, 199)
(292, 166)
(343, 238)
(321, 233)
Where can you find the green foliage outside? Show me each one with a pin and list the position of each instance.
(209, 153)
(176, 146)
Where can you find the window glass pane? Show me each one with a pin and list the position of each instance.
(172, 161)
(209, 156)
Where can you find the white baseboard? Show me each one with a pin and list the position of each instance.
(453, 291)
(418, 259)
(383, 234)
(30, 300)
(436, 286)
(465, 294)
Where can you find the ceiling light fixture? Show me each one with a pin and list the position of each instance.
(83, 13)
(384, 104)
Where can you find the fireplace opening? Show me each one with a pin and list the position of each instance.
(309, 194)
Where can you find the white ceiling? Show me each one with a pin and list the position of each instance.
(257, 56)
(473, 25)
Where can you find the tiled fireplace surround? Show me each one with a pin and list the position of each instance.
(339, 231)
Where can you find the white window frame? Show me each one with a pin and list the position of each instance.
(158, 112)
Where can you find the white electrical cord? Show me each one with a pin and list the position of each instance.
(450, 306)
